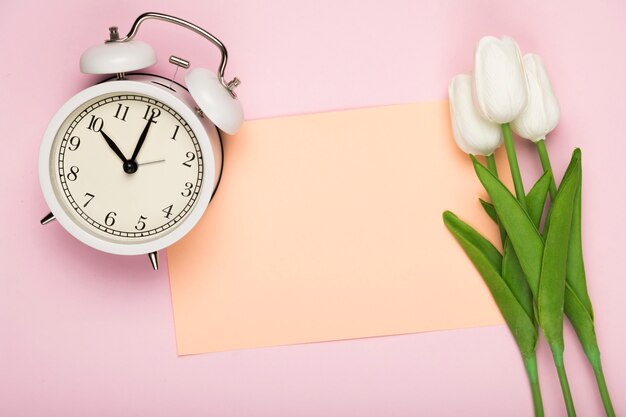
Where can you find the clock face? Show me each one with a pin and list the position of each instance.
(126, 167)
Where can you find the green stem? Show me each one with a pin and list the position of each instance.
(491, 164)
(545, 163)
(567, 395)
(533, 377)
(515, 173)
(596, 364)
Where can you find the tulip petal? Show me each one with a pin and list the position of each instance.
(472, 133)
(500, 86)
(542, 113)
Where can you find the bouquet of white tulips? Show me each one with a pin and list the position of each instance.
(540, 274)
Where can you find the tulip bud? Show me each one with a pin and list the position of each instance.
(542, 113)
(472, 133)
(500, 87)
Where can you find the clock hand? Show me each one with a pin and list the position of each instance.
(113, 146)
(151, 162)
(142, 138)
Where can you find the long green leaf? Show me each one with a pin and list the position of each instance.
(515, 278)
(481, 252)
(582, 323)
(489, 209)
(575, 263)
(536, 198)
(578, 306)
(570, 167)
(489, 252)
(554, 262)
(512, 272)
(525, 237)
(509, 213)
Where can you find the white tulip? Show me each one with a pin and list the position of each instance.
(500, 87)
(472, 133)
(542, 113)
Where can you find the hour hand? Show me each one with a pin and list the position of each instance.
(113, 146)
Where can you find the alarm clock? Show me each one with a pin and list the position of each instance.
(129, 165)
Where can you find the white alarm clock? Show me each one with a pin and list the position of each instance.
(129, 165)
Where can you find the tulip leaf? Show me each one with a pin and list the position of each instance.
(554, 263)
(491, 212)
(482, 253)
(578, 309)
(474, 238)
(578, 306)
(509, 214)
(582, 323)
(489, 209)
(536, 198)
(575, 263)
(511, 269)
(576, 279)
(514, 277)
(525, 238)
(570, 167)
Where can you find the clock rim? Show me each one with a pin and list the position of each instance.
(201, 130)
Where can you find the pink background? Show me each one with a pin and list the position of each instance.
(86, 333)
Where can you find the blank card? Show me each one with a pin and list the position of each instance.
(328, 227)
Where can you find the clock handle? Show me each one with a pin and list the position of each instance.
(230, 85)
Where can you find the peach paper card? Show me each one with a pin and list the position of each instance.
(328, 227)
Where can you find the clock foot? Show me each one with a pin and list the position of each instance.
(48, 218)
(154, 260)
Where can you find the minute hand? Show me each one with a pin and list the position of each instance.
(142, 138)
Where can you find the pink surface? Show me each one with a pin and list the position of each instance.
(85, 333)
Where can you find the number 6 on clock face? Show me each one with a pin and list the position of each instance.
(128, 167)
